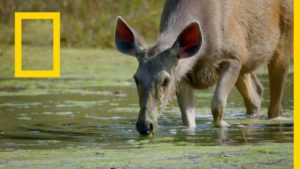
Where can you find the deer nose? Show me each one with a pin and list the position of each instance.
(144, 128)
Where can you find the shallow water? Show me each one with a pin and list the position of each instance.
(45, 115)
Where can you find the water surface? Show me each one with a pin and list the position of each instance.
(47, 115)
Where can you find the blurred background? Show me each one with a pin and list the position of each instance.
(87, 34)
(84, 23)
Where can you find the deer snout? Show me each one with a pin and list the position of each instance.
(145, 128)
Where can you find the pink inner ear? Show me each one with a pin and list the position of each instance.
(124, 33)
(189, 39)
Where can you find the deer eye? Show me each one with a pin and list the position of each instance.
(166, 82)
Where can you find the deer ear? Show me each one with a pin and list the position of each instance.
(125, 39)
(189, 41)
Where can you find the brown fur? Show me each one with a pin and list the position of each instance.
(255, 33)
(248, 30)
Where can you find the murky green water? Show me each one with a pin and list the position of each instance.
(49, 115)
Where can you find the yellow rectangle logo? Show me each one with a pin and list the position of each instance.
(55, 72)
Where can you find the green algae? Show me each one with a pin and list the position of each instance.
(277, 156)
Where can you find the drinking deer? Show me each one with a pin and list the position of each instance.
(210, 42)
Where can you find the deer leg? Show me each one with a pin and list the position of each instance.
(186, 101)
(251, 89)
(225, 84)
(278, 71)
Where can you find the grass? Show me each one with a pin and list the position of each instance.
(275, 156)
(84, 23)
(106, 67)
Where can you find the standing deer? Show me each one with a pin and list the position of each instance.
(210, 42)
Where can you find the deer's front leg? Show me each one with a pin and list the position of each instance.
(186, 101)
(226, 82)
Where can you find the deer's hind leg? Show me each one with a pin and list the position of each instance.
(278, 71)
(251, 90)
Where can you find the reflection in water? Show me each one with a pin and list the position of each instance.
(105, 116)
